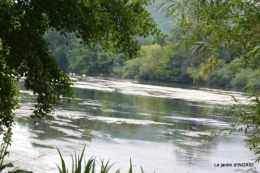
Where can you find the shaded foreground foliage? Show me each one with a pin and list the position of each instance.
(224, 31)
(24, 51)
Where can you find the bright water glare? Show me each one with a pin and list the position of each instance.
(161, 128)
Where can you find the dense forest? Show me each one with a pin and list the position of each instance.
(159, 59)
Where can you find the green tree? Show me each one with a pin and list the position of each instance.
(207, 27)
(222, 76)
(150, 56)
(145, 66)
(131, 68)
(105, 61)
(118, 65)
(246, 78)
(81, 58)
(24, 51)
(59, 46)
(172, 66)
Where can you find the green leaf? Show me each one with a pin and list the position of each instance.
(20, 171)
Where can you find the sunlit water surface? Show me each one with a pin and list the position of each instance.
(163, 129)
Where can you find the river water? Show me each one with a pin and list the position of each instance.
(161, 128)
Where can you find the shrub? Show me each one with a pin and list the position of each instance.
(242, 78)
(131, 68)
(222, 77)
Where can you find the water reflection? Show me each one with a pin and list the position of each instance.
(151, 126)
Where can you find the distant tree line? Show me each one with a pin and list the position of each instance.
(158, 60)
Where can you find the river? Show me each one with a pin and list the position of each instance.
(161, 128)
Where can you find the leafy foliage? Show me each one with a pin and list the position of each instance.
(59, 46)
(81, 59)
(131, 68)
(220, 31)
(24, 50)
(223, 77)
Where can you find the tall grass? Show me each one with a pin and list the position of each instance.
(90, 166)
